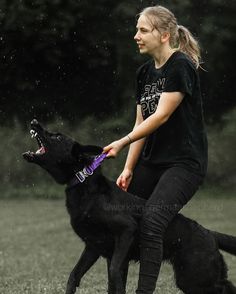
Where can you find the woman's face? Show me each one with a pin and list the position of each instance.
(147, 37)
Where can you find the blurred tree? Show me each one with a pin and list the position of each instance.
(214, 24)
(58, 58)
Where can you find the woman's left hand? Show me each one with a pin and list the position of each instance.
(114, 148)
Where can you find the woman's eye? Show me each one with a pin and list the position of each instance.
(144, 30)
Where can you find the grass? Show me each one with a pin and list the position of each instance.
(38, 247)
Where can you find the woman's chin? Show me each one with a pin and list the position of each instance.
(142, 51)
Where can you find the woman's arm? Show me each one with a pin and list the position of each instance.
(168, 102)
(137, 146)
(135, 149)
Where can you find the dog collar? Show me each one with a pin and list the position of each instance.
(81, 175)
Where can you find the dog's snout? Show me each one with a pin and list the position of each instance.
(34, 122)
(36, 125)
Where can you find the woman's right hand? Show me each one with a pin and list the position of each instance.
(124, 179)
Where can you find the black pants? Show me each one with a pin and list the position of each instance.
(167, 191)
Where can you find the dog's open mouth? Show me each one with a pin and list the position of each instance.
(30, 155)
(42, 149)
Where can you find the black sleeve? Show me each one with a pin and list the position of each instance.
(181, 78)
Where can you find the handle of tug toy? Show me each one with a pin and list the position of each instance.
(88, 170)
(97, 161)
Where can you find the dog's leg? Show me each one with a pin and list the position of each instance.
(124, 273)
(122, 245)
(87, 259)
(111, 286)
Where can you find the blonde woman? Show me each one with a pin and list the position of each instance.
(167, 158)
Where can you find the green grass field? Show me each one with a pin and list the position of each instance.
(38, 247)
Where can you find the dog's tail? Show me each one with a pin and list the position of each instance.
(225, 242)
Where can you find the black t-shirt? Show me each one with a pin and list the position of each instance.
(181, 141)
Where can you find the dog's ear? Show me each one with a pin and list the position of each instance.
(91, 149)
(79, 150)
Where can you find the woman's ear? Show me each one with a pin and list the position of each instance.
(165, 37)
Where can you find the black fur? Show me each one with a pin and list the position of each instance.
(107, 220)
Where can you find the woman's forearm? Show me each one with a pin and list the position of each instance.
(135, 150)
(147, 127)
(140, 132)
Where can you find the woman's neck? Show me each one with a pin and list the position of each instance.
(162, 56)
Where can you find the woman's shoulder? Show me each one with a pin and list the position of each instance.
(182, 59)
(144, 67)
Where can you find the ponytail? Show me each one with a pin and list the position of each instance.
(188, 44)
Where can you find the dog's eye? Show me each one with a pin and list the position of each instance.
(58, 137)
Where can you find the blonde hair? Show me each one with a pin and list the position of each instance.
(181, 38)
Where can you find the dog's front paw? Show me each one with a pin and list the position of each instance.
(72, 283)
(70, 289)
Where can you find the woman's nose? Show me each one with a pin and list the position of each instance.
(136, 36)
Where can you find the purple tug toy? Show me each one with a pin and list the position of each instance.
(88, 170)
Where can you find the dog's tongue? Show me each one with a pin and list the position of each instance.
(40, 151)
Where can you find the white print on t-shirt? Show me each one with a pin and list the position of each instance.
(150, 98)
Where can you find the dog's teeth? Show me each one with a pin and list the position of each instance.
(33, 133)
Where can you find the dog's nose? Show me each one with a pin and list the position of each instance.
(34, 122)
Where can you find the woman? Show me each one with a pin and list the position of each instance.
(167, 159)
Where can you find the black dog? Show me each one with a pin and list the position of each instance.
(107, 220)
